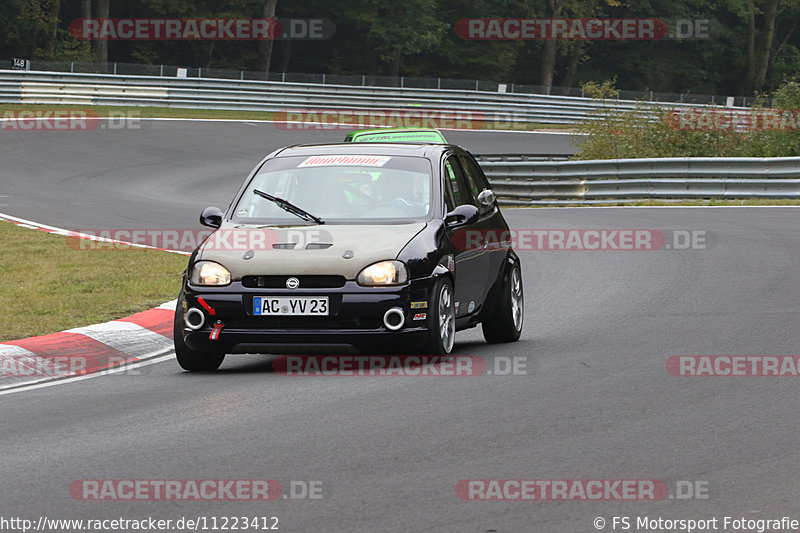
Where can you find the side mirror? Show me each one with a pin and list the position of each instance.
(461, 216)
(487, 197)
(211, 217)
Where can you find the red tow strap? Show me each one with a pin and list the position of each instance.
(216, 331)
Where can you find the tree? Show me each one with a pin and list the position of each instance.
(265, 45)
(101, 45)
(550, 45)
(401, 29)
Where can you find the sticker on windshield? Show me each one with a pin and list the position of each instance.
(345, 160)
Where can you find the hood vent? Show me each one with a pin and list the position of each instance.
(309, 246)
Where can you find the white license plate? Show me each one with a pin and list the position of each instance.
(294, 306)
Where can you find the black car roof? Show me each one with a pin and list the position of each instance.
(396, 149)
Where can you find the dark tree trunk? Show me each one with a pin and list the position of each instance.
(101, 45)
(765, 44)
(550, 48)
(265, 45)
(55, 8)
(286, 55)
(572, 67)
(396, 62)
(86, 13)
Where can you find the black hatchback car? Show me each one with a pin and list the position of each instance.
(380, 246)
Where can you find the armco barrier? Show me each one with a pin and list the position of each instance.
(520, 181)
(37, 87)
(517, 180)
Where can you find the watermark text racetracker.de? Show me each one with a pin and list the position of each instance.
(534, 239)
(69, 120)
(195, 490)
(186, 240)
(404, 366)
(194, 29)
(711, 119)
(638, 490)
(592, 29)
(64, 365)
(267, 239)
(347, 119)
(734, 365)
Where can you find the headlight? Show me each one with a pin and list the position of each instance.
(383, 273)
(210, 273)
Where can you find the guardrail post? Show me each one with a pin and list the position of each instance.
(363, 80)
(199, 72)
(283, 77)
(476, 85)
(161, 71)
(241, 75)
(438, 83)
(115, 68)
(401, 81)
(72, 66)
(323, 78)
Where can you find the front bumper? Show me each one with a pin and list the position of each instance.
(355, 318)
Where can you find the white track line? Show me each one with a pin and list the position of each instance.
(152, 360)
(69, 233)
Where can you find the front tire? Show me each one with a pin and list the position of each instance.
(441, 319)
(189, 359)
(505, 324)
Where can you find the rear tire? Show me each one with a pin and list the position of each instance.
(441, 319)
(505, 323)
(189, 359)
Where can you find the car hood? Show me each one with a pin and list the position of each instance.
(271, 250)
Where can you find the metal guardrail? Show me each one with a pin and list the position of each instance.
(35, 87)
(518, 181)
(363, 80)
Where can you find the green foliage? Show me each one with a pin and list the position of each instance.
(67, 48)
(418, 38)
(600, 91)
(650, 131)
(777, 143)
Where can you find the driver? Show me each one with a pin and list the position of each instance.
(396, 193)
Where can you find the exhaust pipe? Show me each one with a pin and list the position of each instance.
(194, 319)
(394, 319)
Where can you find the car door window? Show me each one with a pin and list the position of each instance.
(476, 180)
(456, 188)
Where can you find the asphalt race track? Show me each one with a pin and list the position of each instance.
(163, 173)
(594, 401)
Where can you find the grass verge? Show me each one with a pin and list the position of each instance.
(49, 286)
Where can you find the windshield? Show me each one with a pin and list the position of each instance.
(338, 188)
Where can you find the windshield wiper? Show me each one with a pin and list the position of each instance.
(289, 207)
